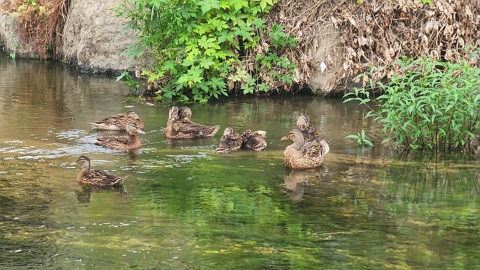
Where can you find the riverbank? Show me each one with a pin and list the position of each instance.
(336, 40)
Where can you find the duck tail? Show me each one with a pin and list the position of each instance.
(325, 148)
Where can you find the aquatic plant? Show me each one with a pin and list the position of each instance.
(199, 47)
(133, 85)
(361, 138)
(426, 104)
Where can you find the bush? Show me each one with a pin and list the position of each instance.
(427, 104)
(200, 47)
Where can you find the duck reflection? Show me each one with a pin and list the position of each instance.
(84, 194)
(296, 180)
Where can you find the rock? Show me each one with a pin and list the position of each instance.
(326, 50)
(9, 40)
(93, 38)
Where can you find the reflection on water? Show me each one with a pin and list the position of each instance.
(188, 207)
(296, 180)
(84, 193)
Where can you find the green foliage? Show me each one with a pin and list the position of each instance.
(199, 46)
(361, 139)
(133, 85)
(428, 105)
(13, 55)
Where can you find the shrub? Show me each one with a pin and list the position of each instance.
(200, 46)
(427, 104)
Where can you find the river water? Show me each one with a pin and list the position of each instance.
(187, 207)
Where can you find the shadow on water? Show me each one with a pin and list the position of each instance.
(188, 207)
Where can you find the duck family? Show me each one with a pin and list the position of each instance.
(307, 150)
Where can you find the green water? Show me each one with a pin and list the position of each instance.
(190, 208)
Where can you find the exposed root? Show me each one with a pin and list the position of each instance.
(377, 33)
(39, 24)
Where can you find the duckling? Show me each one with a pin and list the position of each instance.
(96, 177)
(179, 125)
(254, 141)
(184, 114)
(230, 141)
(303, 154)
(308, 130)
(118, 122)
(123, 143)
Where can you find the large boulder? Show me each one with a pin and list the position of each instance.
(93, 37)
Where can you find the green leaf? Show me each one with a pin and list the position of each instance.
(367, 142)
(225, 35)
(238, 4)
(207, 5)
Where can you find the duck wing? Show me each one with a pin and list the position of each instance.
(103, 178)
(189, 129)
(254, 142)
(308, 131)
(103, 141)
(315, 148)
(230, 142)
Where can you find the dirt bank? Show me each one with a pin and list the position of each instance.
(336, 39)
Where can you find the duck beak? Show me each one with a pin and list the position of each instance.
(285, 138)
(141, 131)
(74, 164)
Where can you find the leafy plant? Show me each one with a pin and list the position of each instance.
(199, 46)
(13, 55)
(361, 139)
(426, 104)
(133, 85)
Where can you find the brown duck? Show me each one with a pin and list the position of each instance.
(230, 141)
(123, 143)
(118, 122)
(303, 154)
(96, 177)
(179, 125)
(308, 130)
(254, 140)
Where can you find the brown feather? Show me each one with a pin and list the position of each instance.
(179, 125)
(122, 142)
(254, 140)
(230, 141)
(118, 122)
(96, 177)
(308, 130)
(303, 154)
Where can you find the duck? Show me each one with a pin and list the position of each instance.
(230, 141)
(118, 122)
(179, 125)
(96, 177)
(121, 142)
(254, 140)
(184, 114)
(308, 130)
(303, 154)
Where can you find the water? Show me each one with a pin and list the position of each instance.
(190, 208)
